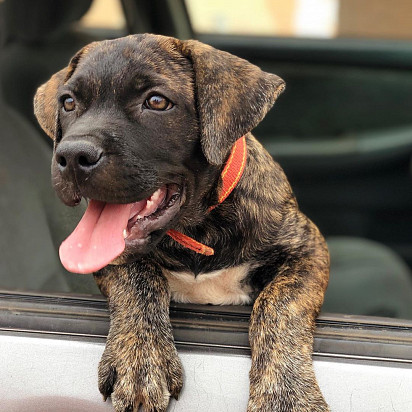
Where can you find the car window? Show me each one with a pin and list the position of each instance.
(33, 221)
(337, 130)
(303, 18)
(104, 16)
(341, 131)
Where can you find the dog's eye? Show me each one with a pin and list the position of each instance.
(68, 103)
(158, 102)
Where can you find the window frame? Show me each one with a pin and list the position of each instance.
(217, 328)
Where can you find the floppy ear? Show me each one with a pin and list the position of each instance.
(45, 103)
(45, 100)
(232, 94)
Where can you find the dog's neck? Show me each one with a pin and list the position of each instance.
(231, 174)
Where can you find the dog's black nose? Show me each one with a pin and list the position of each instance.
(78, 156)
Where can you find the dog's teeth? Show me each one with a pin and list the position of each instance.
(124, 233)
(156, 195)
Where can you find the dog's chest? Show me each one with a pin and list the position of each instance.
(221, 287)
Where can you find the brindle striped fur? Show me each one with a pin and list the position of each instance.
(265, 249)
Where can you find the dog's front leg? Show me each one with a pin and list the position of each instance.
(282, 323)
(140, 365)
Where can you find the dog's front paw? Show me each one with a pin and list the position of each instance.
(300, 396)
(134, 373)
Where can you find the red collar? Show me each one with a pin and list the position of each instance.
(230, 176)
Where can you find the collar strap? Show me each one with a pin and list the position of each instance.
(231, 174)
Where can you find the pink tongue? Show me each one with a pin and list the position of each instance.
(97, 239)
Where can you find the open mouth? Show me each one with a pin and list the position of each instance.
(106, 229)
(148, 213)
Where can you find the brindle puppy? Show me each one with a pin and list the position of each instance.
(142, 127)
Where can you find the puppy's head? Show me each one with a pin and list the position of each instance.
(142, 126)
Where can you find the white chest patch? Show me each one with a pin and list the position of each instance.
(221, 287)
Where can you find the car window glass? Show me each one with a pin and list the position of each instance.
(361, 204)
(33, 221)
(303, 18)
(104, 15)
(340, 130)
